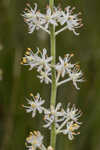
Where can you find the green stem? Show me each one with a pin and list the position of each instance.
(54, 89)
(51, 3)
(53, 54)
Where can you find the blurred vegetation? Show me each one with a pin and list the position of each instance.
(17, 82)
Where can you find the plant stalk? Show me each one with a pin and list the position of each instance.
(54, 87)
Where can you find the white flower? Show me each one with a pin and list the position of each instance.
(70, 19)
(70, 120)
(58, 13)
(71, 127)
(60, 67)
(72, 113)
(49, 18)
(30, 58)
(76, 76)
(35, 104)
(64, 64)
(32, 18)
(53, 116)
(44, 77)
(34, 140)
(44, 61)
(38, 60)
(64, 67)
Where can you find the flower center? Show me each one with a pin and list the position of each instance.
(73, 127)
(33, 105)
(47, 18)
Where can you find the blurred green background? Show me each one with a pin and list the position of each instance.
(16, 82)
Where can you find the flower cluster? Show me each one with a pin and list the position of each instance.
(37, 20)
(70, 130)
(70, 122)
(41, 62)
(71, 20)
(72, 113)
(66, 121)
(54, 115)
(64, 67)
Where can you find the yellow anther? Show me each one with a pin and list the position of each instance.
(36, 133)
(28, 138)
(36, 97)
(31, 94)
(31, 133)
(24, 60)
(29, 49)
(21, 63)
(72, 55)
(75, 125)
(65, 64)
(27, 53)
(71, 128)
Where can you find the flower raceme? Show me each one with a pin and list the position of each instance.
(56, 118)
(37, 20)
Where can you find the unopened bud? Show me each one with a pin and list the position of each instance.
(50, 148)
